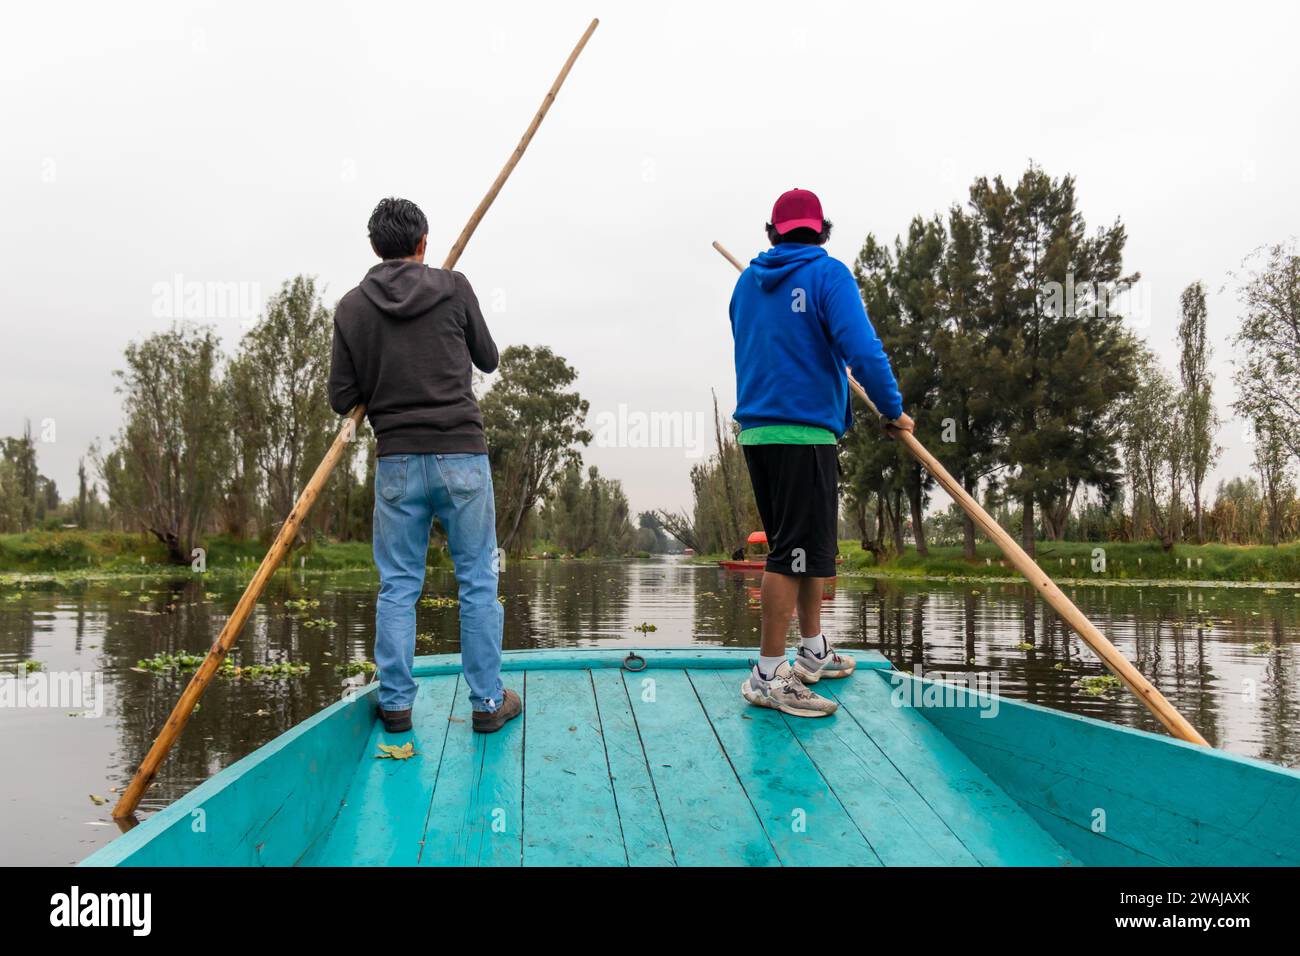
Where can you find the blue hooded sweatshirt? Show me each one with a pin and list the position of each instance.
(798, 319)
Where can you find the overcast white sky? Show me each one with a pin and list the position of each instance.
(247, 142)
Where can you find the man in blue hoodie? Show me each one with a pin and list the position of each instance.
(798, 320)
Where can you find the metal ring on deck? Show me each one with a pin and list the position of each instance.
(630, 662)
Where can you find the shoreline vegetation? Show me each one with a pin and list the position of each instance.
(1071, 562)
(1049, 410)
(72, 554)
(69, 555)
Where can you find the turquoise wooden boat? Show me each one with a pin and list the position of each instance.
(666, 765)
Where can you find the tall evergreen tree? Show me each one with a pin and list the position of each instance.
(1068, 359)
(1200, 421)
(970, 415)
(875, 468)
(910, 344)
(83, 495)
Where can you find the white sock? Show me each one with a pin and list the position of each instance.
(767, 666)
(816, 645)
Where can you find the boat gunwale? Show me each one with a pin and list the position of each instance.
(587, 658)
(116, 851)
(1043, 710)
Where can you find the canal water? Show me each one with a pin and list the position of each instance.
(1226, 657)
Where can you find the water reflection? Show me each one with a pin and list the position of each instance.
(1225, 657)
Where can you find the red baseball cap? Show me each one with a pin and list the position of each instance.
(797, 209)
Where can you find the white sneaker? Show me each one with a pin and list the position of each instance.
(786, 693)
(810, 668)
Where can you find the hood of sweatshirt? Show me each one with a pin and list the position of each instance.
(404, 289)
(773, 266)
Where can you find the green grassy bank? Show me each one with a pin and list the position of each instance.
(1074, 560)
(117, 552)
(110, 552)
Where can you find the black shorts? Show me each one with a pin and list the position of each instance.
(797, 488)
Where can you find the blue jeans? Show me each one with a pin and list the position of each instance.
(410, 490)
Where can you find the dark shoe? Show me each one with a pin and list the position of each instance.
(396, 721)
(490, 721)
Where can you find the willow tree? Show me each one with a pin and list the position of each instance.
(534, 422)
(20, 482)
(1154, 450)
(1272, 461)
(1268, 345)
(723, 510)
(277, 387)
(169, 460)
(587, 516)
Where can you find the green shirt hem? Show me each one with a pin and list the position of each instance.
(787, 435)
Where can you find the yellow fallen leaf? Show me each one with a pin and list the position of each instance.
(405, 752)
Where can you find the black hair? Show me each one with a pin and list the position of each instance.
(805, 236)
(396, 227)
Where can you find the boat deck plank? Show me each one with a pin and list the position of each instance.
(709, 817)
(992, 826)
(571, 814)
(900, 825)
(476, 815)
(804, 819)
(382, 820)
(645, 834)
(670, 766)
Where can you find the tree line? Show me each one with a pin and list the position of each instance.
(1007, 321)
(216, 444)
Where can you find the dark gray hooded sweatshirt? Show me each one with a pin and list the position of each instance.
(404, 341)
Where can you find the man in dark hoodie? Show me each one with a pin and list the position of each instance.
(404, 342)
(798, 320)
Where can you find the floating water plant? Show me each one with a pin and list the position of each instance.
(165, 663)
(162, 662)
(282, 670)
(28, 667)
(353, 668)
(1098, 686)
(432, 601)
